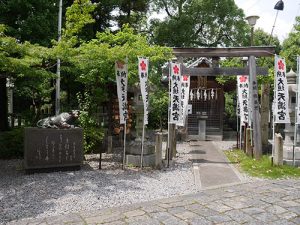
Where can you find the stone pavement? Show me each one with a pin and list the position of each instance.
(260, 202)
(210, 165)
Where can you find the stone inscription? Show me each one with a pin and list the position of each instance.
(53, 147)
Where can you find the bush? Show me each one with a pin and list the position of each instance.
(12, 143)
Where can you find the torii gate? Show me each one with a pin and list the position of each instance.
(252, 70)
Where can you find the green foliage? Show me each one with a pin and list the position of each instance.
(291, 46)
(92, 132)
(199, 23)
(158, 116)
(12, 143)
(262, 167)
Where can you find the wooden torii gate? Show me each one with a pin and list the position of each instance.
(252, 70)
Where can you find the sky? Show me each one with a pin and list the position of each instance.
(265, 10)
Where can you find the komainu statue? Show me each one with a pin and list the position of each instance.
(62, 121)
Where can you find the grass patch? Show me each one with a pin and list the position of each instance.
(261, 168)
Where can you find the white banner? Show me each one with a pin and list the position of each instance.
(121, 78)
(298, 91)
(176, 94)
(243, 98)
(143, 74)
(281, 92)
(185, 90)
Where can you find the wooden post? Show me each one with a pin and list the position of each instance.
(265, 98)
(255, 110)
(278, 154)
(248, 142)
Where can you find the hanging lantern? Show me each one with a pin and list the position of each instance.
(205, 95)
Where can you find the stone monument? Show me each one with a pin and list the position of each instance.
(289, 128)
(53, 145)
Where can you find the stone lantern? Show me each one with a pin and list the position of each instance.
(292, 88)
(289, 128)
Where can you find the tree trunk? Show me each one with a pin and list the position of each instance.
(3, 105)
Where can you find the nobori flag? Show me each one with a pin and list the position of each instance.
(176, 114)
(281, 111)
(298, 91)
(121, 78)
(185, 90)
(243, 97)
(143, 74)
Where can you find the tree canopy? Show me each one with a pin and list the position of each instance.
(193, 23)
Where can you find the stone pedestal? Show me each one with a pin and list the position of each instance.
(52, 149)
(133, 153)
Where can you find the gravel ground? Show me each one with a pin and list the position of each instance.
(49, 194)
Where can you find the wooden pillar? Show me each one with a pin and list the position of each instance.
(255, 109)
(265, 107)
(248, 142)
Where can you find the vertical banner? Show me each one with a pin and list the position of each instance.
(143, 74)
(176, 115)
(298, 91)
(185, 90)
(281, 92)
(121, 78)
(243, 98)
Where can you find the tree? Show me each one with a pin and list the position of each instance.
(27, 63)
(291, 46)
(31, 20)
(199, 23)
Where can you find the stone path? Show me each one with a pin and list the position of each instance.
(261, 202)
(211, 167)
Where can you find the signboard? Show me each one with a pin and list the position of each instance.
(281, 112)
(143, 74)
(176, 112)
(121, 78)
(243, 98)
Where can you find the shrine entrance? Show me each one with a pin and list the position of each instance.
(212, 112)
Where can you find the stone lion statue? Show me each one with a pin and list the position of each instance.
(62, 121)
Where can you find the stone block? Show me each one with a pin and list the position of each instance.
(135, 160)
(46, 149)
(135, 147)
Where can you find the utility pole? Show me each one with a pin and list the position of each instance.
(57, 85)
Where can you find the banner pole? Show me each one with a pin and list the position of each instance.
(169, 107)
(142, 153)
(296, 110)
(124, 152)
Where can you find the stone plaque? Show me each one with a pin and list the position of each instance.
(53, 148)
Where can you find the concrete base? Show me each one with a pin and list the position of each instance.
(290, 162)
(135, 160)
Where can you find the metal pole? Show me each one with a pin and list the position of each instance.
(57, 85)
(296, 110)
(143, 136)
(169, 106)
(124, 151)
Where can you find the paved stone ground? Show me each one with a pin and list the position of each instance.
(261, 202)
(211, 165)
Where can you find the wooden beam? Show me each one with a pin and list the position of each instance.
(229, 71)
(264, 51)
